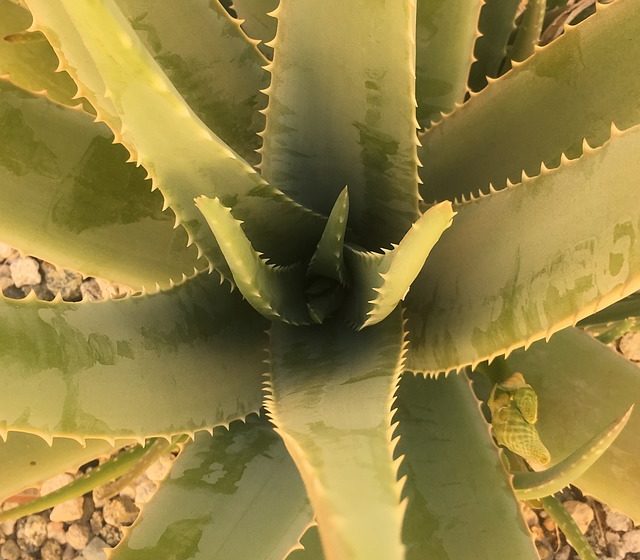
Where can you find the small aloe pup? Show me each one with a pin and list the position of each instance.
(311, 254)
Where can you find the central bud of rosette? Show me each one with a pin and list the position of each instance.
(341, 280)
(324, 297)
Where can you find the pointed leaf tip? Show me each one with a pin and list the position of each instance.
(534, 485)
(277, 293)
(384, 280)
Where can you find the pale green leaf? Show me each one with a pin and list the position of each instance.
(342, 112)
(27, 459)
(541, 108)
(183, 157)
(529, 30)
(446, 33)
(328, 259)
(210, 62)
(485, 291)
(277, 293)
(331, 391)
(460, 499)
(28, 60)
(581, 385)
(326, 273)
(77, 203)
(381, 280)
(174, 362)
(236, 496)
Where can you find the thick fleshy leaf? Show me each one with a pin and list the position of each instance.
(582, 385)
(446, 33)
(233, 496)
(182, 156)
(256, 20)
(177, 361)
(27, 459)
(381, 280)
(342, 112)
(460, 499)
(77, 203)
(28, 60)
(210, 62)
(276, 292)
(541, 108)
(528, 33)
(497, 21)
(343, 452)
(569, 528)
(485, 291)
(328, 258)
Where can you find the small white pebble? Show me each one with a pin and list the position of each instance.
(160, 469)
(145, 491)
(618, 521)
(631, 541)
(95, 550)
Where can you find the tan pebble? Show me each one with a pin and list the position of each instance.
(120, 511)
(78, 535)
(31, 532)
(549, 524)
(71, 510)
(51, 550)
(96, 522)
(160, 469)
(537, 532)
(617, 521)
(25, 272)
(129, 492)
(10, 551)
(582, 514)
(530, 516)
(7, 527)
(145, 491)
(630, 346)
(69, 553)
(631, 541)
(55, 531)
(543, 552)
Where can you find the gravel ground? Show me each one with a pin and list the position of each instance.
(81, 529)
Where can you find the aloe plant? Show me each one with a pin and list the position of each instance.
(289, 254)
